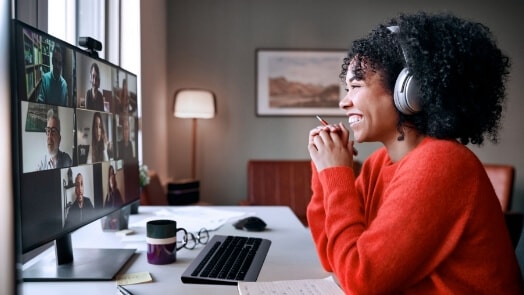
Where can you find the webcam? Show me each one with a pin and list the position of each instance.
(91, 44)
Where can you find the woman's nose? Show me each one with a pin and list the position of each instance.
(345, 102)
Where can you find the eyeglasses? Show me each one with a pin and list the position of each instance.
(51, 130)
(192, 240)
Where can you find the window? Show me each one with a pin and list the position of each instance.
(115, 27)
(130, 40)
(91, 16)
(114, 23)
(61, 19)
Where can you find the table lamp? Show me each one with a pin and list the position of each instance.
(194, 104)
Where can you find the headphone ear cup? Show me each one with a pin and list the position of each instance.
(407, 93)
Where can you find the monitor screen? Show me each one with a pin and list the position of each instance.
(75, 139)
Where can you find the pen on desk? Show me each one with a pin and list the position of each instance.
(123, 290)
(322, 121)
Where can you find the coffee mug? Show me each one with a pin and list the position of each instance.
(162, 241)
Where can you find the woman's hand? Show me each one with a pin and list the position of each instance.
(330, 146)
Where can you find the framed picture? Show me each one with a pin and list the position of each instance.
(36, 118)
(298, 82)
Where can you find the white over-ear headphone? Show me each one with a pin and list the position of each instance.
(407, 91)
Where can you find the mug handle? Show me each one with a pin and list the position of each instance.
(184, 240)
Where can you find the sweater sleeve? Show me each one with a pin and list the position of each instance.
(316, 213)
(316, 216)
(415, 225)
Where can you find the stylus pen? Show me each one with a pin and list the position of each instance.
(324, 122)
(123, 290)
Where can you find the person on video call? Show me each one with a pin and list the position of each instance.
(125, 146)
(125, 107)
(94, 97)
(53, 87)
(113, 197)
(422, 216)
(54, 158)
(81, 209)
(99, 143)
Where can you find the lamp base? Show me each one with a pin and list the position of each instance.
(183, 192)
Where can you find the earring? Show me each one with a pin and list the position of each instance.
(401, 136)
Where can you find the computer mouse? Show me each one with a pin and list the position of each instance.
(251, 223)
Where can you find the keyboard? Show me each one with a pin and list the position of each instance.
(226, 260)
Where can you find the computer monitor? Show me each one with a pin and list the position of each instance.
(74, 144)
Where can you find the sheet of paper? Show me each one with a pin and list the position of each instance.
(134, 278)
(194, 218)
(325, 286)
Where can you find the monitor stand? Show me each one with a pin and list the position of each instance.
(87, 265)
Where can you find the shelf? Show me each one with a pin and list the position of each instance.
(68, 186)
(37, 60)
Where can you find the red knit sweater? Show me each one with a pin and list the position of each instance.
(428, 224)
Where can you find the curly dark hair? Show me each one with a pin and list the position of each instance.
(461, 72)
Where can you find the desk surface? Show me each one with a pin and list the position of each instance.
(291, 256)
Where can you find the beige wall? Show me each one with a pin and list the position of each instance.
(154, 88)
(211, 44)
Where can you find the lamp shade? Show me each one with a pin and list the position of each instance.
(194, 103)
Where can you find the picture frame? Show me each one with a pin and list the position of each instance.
(299, 82)
(36, 118)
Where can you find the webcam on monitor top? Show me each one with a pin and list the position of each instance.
(91, 44)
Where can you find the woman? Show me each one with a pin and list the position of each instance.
(94, 97)
(422, 216)
(113, 197)
(99, 143)
(125, 146)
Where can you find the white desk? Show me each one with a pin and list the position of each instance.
(291, 256)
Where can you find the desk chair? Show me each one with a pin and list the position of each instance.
(281, 182)
(502, 178)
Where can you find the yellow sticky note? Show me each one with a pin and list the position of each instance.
(134, 278)
(125, 232)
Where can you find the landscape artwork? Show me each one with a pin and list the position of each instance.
(299, 82)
